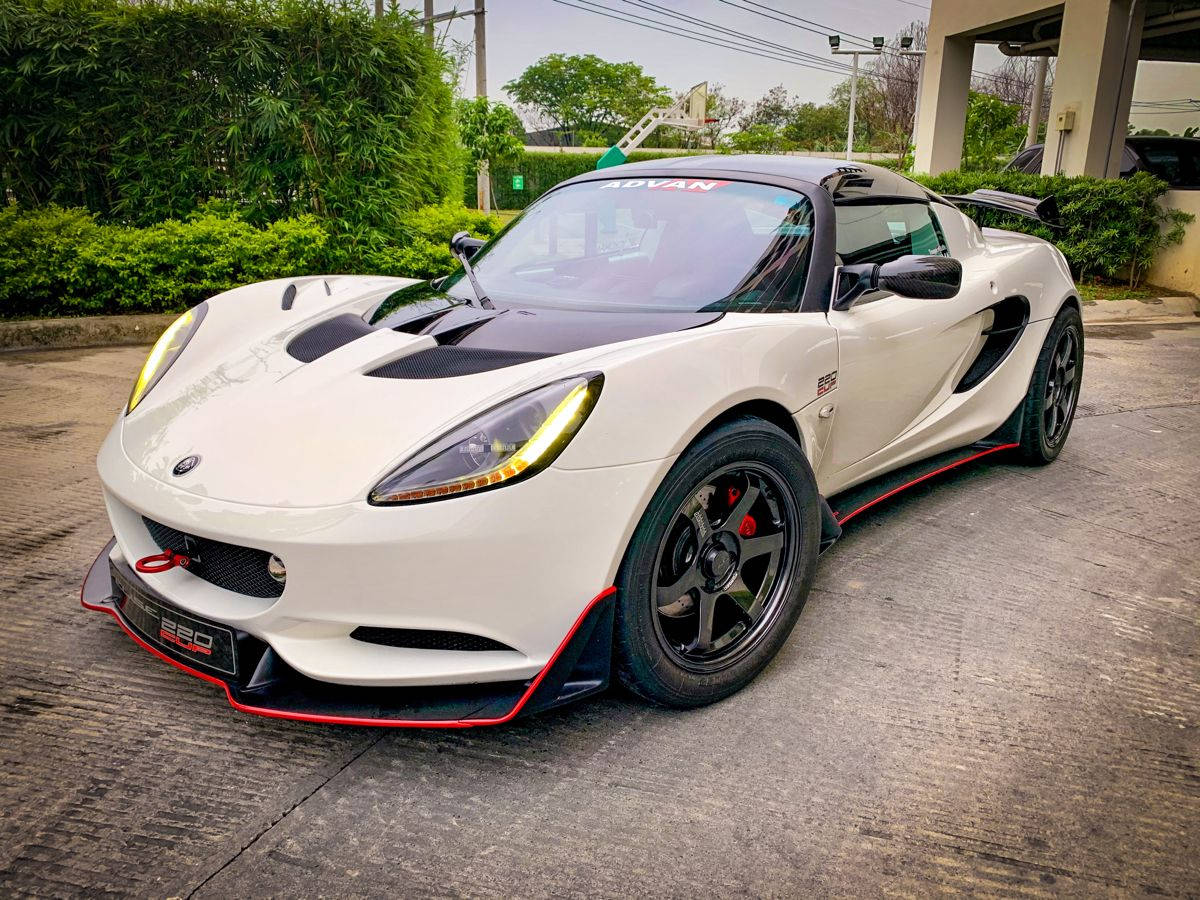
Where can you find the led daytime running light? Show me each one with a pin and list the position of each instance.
(543, 440)
(158, 355)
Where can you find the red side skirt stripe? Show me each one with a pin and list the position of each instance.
(946, 468)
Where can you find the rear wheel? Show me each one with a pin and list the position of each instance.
(719, 567)
(1053, 390)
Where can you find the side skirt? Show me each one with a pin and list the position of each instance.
(842, 507)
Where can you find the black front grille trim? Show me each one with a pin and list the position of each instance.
(424, 639)
(242, 570)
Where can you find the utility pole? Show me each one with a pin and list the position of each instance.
(1035, 102)
(835, 41)
(906, 49)
(483, 181)
(483, 184)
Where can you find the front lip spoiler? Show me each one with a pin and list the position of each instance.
(579, 667)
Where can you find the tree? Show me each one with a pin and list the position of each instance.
(1013, 81)
(817, 127)
(587, 94)
(992, 132)
(896, 90)
(489, 131)
(774, 109)
(870, 125)
(759, 138)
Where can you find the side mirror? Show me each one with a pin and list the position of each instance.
(465, 244)
(919, 277)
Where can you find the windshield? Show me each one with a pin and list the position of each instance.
(654, 244)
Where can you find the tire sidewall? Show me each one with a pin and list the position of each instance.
(1034, 444)
(644, 664)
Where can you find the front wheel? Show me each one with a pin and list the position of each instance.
(1053, 390)
(718, 568)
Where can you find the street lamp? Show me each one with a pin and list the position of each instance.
(835, 41)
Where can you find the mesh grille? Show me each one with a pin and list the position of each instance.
(327, 336)
(422, 639)
(448, 362)
(239, 569)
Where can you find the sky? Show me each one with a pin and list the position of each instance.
(519, 32)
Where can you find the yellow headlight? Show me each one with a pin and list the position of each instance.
(507, 443)
(165, 349)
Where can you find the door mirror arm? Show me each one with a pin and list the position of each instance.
(918, 277)
(853, 282)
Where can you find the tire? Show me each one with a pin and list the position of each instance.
(1050, 405)
(747, 576)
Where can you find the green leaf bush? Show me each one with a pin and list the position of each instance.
(63, 262)
(542, 170)
(1110, 227)
(139, 111)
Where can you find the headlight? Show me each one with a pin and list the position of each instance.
(165, 351)
(509, 442)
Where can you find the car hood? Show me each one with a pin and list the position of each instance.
(312, 405)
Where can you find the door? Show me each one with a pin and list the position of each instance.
(898, 358)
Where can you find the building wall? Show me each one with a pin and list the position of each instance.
(1178, 267)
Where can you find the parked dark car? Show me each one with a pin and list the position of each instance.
(1176, 160)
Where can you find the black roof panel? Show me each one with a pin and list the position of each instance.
(842, 178)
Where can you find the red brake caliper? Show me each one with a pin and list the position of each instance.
(748, 526)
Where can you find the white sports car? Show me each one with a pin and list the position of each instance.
(614, 445)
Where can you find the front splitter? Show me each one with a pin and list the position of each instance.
(265, 685)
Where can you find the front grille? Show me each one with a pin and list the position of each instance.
(424, 639)
(242, 570)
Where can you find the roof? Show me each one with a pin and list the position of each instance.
(841, 177)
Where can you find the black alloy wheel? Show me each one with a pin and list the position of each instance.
(1053, 395)
(1062, 387)
(723, 565)
(719, 566)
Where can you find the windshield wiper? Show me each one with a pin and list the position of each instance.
(460, 244)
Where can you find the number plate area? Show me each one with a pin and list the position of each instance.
(198, 642)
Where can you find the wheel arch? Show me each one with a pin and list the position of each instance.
(760, 408)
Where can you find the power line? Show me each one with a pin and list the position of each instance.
(791, 51)
(824, 29)
(618, 16)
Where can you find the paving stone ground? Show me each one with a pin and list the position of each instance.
(994, 688)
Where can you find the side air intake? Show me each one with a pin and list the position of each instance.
(1009, 319)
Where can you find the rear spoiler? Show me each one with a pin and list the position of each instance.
(1045, 210)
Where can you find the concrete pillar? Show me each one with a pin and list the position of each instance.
(945, 81)
(1097, 59)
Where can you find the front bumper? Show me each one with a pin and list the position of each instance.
(515, 566)
(258, 681)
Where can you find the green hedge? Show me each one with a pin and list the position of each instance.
(1111, 227)
(62, 262)
(139, 110)
(542, 170)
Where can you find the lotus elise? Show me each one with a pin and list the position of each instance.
(610, 448)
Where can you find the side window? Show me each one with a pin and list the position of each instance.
(1129, 162)
(879, 233)
(1163, 161)
(1021, 161)
(1033, 165)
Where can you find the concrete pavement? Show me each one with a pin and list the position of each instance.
(994, 688)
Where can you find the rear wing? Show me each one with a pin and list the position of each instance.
(1044, 211)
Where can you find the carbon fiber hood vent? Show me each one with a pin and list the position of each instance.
(473, 340)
